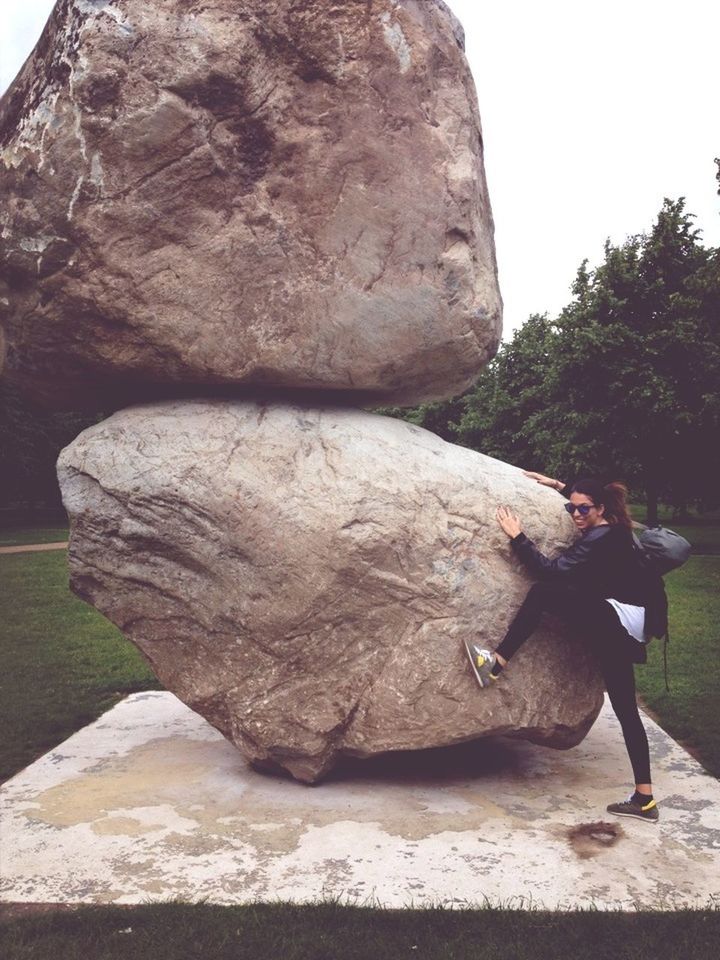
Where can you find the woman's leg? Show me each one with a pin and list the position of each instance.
(542, 598)
(612, 646)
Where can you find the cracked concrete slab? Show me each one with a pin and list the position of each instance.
(151, 803)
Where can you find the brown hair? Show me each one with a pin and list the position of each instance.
(613, 496)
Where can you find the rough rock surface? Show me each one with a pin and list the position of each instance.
(254, 193)
(303, 577)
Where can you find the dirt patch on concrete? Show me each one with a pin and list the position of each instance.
(589, 839)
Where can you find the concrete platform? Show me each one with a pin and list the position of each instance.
(151, 803)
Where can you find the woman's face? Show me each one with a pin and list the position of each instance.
(593, 516)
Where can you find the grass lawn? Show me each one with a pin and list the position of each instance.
(335, 932)
(690, 711)
(63, 663)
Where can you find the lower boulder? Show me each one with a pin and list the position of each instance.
(303, 578)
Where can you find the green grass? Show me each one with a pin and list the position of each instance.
(18, 536)
(63, 663)
(689, 712)
(335, 932)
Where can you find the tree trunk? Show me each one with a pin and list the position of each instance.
(681, 514)
(652, 505)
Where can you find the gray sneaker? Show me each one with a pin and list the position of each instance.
(630, 808)
(482, 661)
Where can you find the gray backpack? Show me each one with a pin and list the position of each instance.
(663, 550)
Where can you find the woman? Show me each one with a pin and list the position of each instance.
(599, 586)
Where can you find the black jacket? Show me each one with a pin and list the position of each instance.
(605, 563)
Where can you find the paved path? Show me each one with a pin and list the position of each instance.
(151, 803)
(34, 547)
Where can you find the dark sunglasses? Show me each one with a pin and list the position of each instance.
(582, 508)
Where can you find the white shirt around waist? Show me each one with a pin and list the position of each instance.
(631, 617)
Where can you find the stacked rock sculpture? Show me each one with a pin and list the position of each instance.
(256, 218)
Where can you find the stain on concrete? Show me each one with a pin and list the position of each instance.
(125, 826)
(590, 839)
(164, 771)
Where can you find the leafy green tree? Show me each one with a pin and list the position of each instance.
(624, 384)
(636, 367)
(438, 417)
(500, 413)
(496, 415)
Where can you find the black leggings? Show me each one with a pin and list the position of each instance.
(615, 649)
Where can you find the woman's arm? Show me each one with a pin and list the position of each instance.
(537, 563)
(542, 567)
(540, 478)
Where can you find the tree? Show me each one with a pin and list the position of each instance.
(495, 416)
(438, 416)
(500, 413)
(636, 366)
(624, 384)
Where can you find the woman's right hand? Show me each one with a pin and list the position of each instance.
(545, 481)
(508, 521)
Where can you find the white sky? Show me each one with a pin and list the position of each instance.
(592, 113)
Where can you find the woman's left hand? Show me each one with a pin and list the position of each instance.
(508, 521)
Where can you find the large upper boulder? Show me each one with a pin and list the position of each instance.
(245, 194)
(303, 578)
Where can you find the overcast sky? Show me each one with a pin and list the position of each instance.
(592, 113)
